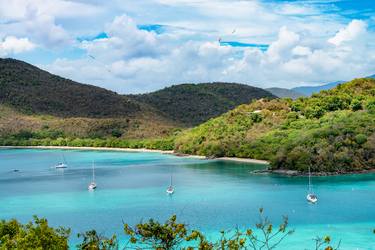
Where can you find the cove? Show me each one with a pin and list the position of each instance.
(210, 195)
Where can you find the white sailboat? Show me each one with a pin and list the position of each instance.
(92, 185)
(170, 189)
(311, 197)
(62, 164)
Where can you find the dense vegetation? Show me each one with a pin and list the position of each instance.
(333, 131)
(14, 125)
(151, 235)
(33, 90)
(37, 102)
(285, 93)
(192, 104)
(29, 139)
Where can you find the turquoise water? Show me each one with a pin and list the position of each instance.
(209, 195)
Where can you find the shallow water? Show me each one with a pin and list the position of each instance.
(209, 195)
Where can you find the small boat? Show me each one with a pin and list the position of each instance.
(170, 189)
(62, 164)
(92, 185)
(311, 197)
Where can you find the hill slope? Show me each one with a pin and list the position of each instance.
(284, 93)
(33, 90)
(36, 101)
(193, 104)
(333, 131)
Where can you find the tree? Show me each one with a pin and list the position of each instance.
(325, 243)
(36, 234)
(154, 235)
(93, 241)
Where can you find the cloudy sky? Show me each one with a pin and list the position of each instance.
(133, 46)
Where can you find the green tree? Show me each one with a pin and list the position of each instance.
(93, 241)
(36, 234)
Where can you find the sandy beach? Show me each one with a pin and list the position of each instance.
(244, 160)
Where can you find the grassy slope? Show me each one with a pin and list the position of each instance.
(331, 131)
(192, 104)
(13, 122)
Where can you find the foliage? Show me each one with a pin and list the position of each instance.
(160, 144)
(325, 243)
(154, 235)
(36, 234)
(192, 104)
(150, 235)
(333, 131)
(36, 91)
(93, 241)
(173, 235)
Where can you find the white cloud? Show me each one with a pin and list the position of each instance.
(133, 60)
(13, 45)
(355, 30)
(306, 45)
(36, 19)
(125, 41)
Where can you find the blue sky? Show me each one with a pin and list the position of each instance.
(139, 46)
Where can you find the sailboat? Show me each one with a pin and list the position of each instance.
(311, 197)
(92, 185)
(170, 189)
(62, 164)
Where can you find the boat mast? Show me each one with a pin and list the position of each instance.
(63, 156)
(93, 172)
(309, 179)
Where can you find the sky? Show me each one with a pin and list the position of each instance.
(137, 46)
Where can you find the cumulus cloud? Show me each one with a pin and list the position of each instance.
(13, 45)
(305, 44)
(355, 30)
(131, 60)
(36, 19)
(124, 41)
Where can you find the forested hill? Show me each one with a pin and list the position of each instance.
(333, 131)
(193, 104)
(32, 90)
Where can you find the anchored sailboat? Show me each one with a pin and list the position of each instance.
(62, 164)
(92, 185)
(311, 197)
(170, 189)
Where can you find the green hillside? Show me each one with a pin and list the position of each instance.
(32, 90)
(35, 101)
(333, 131)
(192, 104)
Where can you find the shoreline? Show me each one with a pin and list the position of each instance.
(281, 172)
(295, 173)
(142, 150)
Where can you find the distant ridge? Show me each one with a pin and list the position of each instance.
(309, 90)
(284, 93)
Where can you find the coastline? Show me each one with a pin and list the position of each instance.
(141, 150)
(295, 173)
(282, 172)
